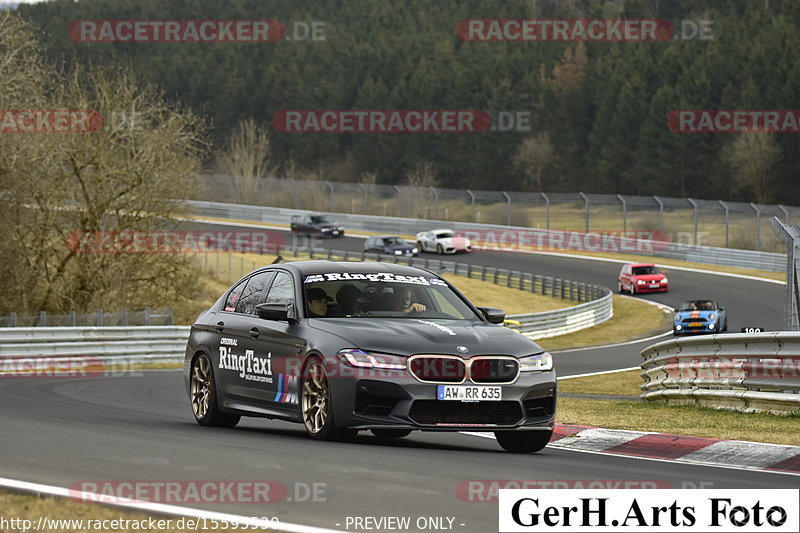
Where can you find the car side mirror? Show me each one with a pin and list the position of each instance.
(493, 314)
(276, 312)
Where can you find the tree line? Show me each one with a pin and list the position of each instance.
(599, 108)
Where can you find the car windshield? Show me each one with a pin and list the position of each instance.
(444, 234)
(394, 241)
(698, 305)
(643, 271)
(384, 295)
(321, 219)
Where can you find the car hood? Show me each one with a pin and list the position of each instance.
(408, 336)
(705, 314)
(332, 225)
(402, 247)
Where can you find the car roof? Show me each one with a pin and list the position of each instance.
(304, 268)
(642, 265)
(440, 229)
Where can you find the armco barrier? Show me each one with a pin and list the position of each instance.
(120, 345)
(51, 346)
(494, 236)
(753, 372)
(596, 309)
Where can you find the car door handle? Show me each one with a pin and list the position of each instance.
(254, 333)
(220, 325)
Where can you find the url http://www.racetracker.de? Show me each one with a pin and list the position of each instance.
(45, 524)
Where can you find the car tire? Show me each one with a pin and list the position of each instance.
(725, 326)
(632, 289)
(203, 395)
(523, 441)
(419, 246)
(620, 287)
(316, 405)
(391, 433)
(439, 249)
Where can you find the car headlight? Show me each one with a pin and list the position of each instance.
(711, 326)
(398, 252)
(679, 327)
(677, 318)
(712, 316)
(536, 363)
(414, 250)
(641, 282)
(361, 359)
(665, 280)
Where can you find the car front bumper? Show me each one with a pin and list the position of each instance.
(396, 399)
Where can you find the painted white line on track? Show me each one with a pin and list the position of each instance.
(637, 341)
(161, 508)
(259, 226)
(656, 459)
(599, 373)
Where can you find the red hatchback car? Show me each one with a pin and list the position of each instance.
(642, 277)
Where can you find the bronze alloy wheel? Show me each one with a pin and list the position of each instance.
(201, 386)
(204, 396)
(316, 398)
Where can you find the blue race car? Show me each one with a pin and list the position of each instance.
(699, 316)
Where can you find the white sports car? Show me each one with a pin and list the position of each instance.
(442, 241)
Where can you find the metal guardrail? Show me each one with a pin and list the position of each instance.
(511, 237)
(753, 372)
(596, 309)
(87, 350)
(38, 349)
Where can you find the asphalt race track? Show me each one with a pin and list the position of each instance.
(140, 427)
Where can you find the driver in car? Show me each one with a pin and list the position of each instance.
(403, 301)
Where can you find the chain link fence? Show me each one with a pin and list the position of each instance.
(680, 220)
(125, 317)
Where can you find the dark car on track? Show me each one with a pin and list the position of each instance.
(391, 245)
(699, 316)
(316, 225)
(342, 347)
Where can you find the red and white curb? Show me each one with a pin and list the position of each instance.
(680, 448)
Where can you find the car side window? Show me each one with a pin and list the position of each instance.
(253, 293)
(233, 297)
(282, 290)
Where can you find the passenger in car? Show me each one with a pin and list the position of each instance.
(317, 302)
(347, 299)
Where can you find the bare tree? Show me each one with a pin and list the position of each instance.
(246, 158)
(126, 176)
(422, 176)
(532, 158)
(751, 157)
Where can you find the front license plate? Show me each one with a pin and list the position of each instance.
(695, 324)
(469, 393)
(654, 285)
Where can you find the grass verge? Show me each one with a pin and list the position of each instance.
(692, 420)
(660, 417)
(632, 319)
